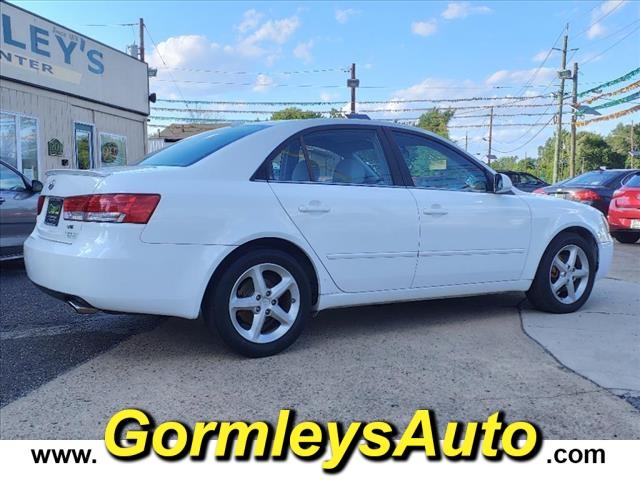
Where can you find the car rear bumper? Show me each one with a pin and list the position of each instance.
(125, 274)
(605, 258)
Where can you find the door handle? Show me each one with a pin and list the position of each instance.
(435, 213)
(313, 209)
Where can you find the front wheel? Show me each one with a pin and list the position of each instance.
(626, 237)
(260, 304)
(565, 276)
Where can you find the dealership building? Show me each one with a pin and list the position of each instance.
(66, 100)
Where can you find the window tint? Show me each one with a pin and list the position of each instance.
(432, 165)
(193, 149)
(527, 179)
(595, 178)
(634, 181)
(10, 180)
(347, 156)
(289, 164)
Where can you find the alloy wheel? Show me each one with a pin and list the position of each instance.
(569, 274)
(264, 303)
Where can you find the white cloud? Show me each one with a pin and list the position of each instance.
(545, 74)
(329, 96)
(250, 20)
(596, 30)
(271, 31)
(303, 51)
(260, 43)
(605, 8)
(263, 83)
(462, 10)
(542, 54)
(343, 16)
(425, 28)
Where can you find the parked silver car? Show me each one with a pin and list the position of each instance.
(18, 210)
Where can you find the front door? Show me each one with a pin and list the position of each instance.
(468, 234)
(83, 139)
(337, 187)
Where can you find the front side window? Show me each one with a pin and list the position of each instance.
(432, 165)
(10, 180)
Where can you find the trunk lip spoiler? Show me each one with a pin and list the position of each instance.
(77, 171)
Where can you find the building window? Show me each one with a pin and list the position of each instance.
(19, 143)
(113, 150)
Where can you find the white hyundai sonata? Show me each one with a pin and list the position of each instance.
(257, 226)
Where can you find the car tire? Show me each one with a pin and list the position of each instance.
(548, 292)
(262, 320)
(626, 237)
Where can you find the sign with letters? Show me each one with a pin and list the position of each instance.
(39, 52)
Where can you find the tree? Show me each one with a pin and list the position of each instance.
(619, 139)
(436, 121)
(335, 113)
(294, 113)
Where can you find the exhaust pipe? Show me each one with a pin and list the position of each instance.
(81, 307)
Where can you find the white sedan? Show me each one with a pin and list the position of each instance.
(254, 227)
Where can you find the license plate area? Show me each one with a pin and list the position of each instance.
(635, 224)
(54, 209)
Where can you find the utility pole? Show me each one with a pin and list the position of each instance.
(466, 139)
(142, 39)
(490, 136)
(574, 119)
(561, 73)
(632, 150)
(353, 83)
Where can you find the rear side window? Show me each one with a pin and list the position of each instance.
(193, 149)
(341, 156)
(289, 164)
(597, 178)
(633, 181)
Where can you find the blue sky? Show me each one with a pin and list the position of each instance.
(403, 51)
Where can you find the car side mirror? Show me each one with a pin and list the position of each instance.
(502, 184)
(36, 186)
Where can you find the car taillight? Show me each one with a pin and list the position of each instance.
(539, 191)
(40, 203)
(585, 196)
(111, 207)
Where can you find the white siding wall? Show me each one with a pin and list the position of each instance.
(56, 114)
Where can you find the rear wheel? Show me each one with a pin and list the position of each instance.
(565, 276)
(260, 304)
(626, 237)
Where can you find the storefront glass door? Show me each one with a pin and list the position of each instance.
(83, 136)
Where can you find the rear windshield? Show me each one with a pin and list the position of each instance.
(633, 181)
(595, 179)
(193, 149)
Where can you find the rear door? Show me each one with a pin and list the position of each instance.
(468, 234)
(343, 195)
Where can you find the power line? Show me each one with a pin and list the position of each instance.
(162, 59)
(605, 15)
(593, 57)
(242, 72)
(528, 141)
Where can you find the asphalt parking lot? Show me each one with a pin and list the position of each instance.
(576, 376)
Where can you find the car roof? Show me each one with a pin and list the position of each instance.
(342, 122)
